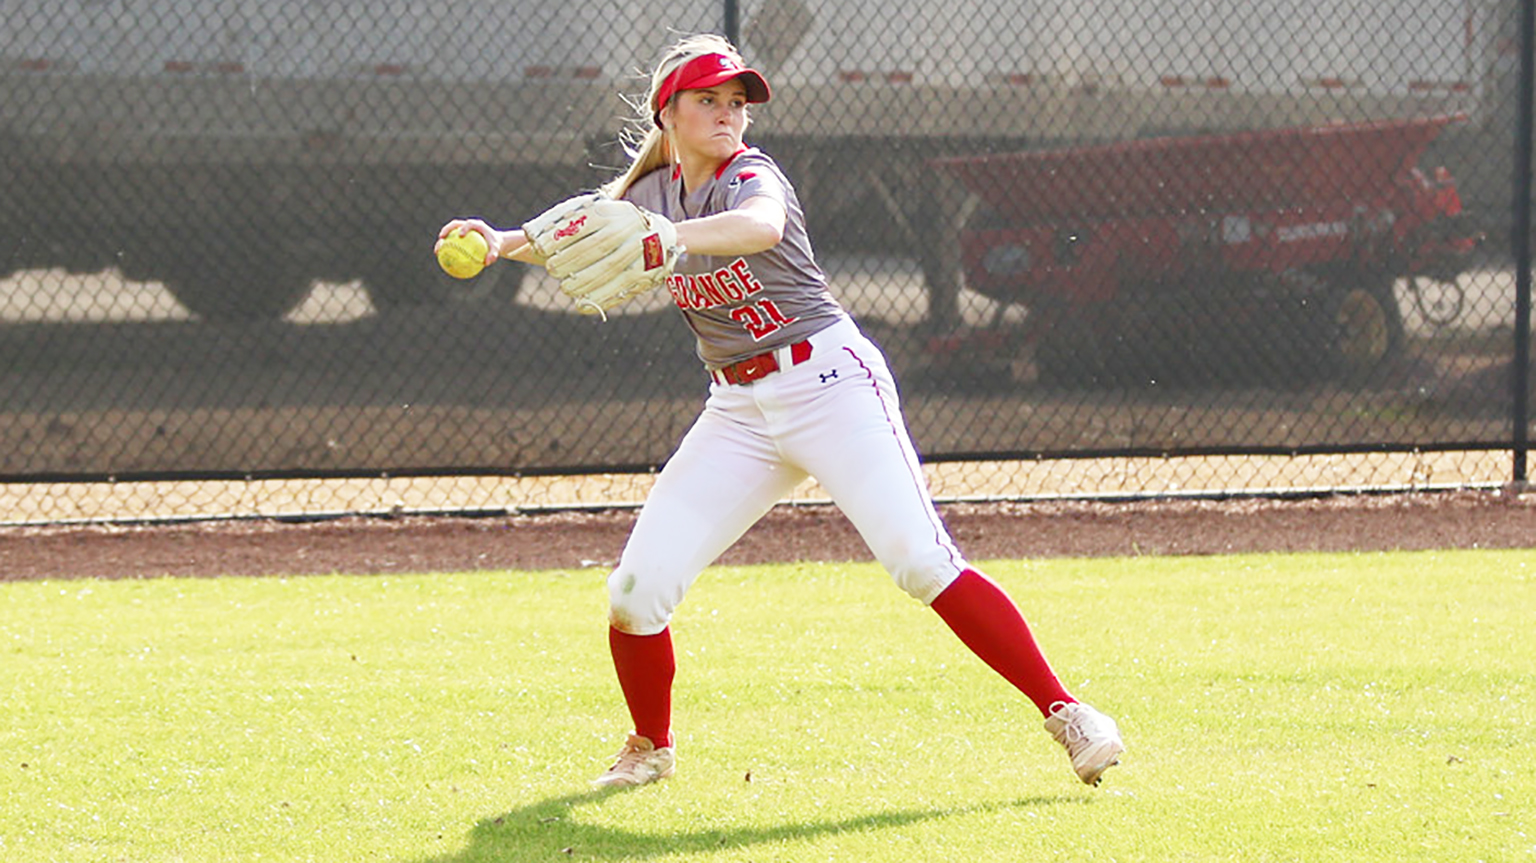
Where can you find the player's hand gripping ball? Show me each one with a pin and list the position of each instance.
(463, 257)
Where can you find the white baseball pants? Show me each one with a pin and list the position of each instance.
(835, 417)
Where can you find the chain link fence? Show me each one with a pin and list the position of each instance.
(1126, 248)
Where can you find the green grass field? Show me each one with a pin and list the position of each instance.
(1277, 708)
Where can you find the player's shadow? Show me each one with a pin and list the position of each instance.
(547, 830)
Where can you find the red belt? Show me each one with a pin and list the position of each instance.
(762, 365)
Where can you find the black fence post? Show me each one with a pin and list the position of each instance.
(1522, 237)
(733, 22)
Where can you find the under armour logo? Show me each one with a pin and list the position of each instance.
(829, 376)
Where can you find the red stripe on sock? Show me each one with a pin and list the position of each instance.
(988, 622)
(646, 665)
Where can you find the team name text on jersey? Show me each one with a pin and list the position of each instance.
(727, 285)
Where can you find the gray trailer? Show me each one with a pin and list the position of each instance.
(237, 151)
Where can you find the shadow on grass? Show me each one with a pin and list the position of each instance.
(546, 831)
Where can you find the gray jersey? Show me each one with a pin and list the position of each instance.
(745, 305)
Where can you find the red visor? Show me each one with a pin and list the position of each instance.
(709, 70)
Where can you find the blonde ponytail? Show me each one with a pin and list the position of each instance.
(647, 154)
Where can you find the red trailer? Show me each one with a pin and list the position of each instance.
(1271, 251)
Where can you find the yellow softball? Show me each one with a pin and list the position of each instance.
(463, 257)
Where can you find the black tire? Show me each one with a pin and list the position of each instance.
(1363, 325)
(1089, 347)
(10, 251)
(1287, 338)
(420, 282)
(1066, 353)
(217, 295)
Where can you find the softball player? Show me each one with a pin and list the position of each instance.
(796, 390)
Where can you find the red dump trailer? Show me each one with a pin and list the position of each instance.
(1272, 251)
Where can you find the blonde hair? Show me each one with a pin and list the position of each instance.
(644, 142)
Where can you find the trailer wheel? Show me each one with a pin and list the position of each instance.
(10, 252)
(1363, 324)
(1068, 354)
(1091, 346)
(237, 295)
(420, 282)
(1439, 301)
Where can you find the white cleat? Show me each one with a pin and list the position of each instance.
(638, 763)
(1092, 740)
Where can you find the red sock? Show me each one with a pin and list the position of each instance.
(645, 665)
(990, 624)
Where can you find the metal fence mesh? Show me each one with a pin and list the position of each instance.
(1112, 248)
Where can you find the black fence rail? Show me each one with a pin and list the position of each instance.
(1117, 230)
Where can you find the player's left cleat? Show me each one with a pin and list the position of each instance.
(1092, 739)
(638, 763)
